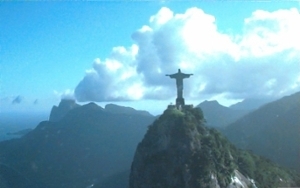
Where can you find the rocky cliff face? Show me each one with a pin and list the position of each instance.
(58, 112)
(163, 158)
(176, 152)
(179, 151)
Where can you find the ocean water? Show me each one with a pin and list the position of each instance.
(14, 122)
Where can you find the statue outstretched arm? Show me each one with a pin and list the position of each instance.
(172, 75)
(187, 75)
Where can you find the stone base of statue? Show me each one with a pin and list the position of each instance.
(182, 108)
(171, 107)
(180, 105)
(179, 102)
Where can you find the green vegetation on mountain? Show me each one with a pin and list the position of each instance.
(178, 149)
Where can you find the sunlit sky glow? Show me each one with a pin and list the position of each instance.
(120, 51)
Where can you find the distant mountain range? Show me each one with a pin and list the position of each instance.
(220, 116)
(116, 109)
(273, 131)
(86, 146)
(66, 105)
(251, 104)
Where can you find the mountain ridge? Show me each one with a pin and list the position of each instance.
(91, 146)
(220, 116)
(271, 131)
(65, 105)
(251, 104)
(86, 146)
(125, 110)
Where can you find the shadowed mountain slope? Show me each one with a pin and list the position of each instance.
(113, 108)
(86, 146)
(272, 131)
(220, 116)
(251, 104)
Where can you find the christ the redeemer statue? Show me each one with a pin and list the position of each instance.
(179, 76)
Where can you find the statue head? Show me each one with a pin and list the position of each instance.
(179, 71)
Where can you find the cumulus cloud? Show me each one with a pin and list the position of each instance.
(17, 100)
(263, 60)
(67, 94)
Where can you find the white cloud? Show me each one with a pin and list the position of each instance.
(162, 17)
(267, 33)
(111, 79)
(264, 60)
(67, 94)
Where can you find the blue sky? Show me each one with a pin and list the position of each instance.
(48, 50)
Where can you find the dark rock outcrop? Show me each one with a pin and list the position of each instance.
(58, 112)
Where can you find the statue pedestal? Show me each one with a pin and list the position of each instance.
(181, 108)
(180, 105)
(179, 102)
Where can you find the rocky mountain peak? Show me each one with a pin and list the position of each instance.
(179, 151)
(211, 103)
(58, 112)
